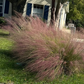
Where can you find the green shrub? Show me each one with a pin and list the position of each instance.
(2, 20)
(46, 52)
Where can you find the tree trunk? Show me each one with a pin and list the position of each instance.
(57, 13)
(57, 9)
(53, 13)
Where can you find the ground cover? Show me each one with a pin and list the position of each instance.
(3, 32)
(10, 72)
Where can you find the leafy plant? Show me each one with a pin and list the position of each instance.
(2, 20)
(46, 51)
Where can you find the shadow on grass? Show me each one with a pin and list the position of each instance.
(8, 63)
(4, 35)
(8, 60)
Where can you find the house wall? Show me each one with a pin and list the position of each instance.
(40, 2)
(62, 20)
(10, 11)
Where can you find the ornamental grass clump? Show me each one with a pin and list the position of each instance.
(46, 51)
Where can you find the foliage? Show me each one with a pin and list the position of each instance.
(76, 13)
(4, 32)
(2, 20)
(8, 70)
(46, 52)
(6, 44)
(8, 67)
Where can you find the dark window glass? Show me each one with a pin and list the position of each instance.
(1, 14)
(38, 6)
(1, 2)
(0, 8)
(38, 10)
(34, 6)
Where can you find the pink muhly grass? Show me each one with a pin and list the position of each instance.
(45, 51)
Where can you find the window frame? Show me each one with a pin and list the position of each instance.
(2, 2)
(3, 7)
(39, 5)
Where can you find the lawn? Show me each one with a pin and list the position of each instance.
(11, 73)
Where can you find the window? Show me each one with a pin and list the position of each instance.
(1, 7)
(1, 2)
(38, 10)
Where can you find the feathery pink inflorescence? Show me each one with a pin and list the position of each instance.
(46, 51)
